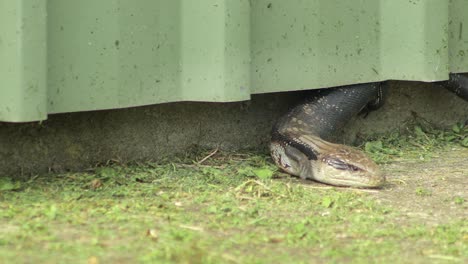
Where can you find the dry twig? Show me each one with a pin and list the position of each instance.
(207, 157)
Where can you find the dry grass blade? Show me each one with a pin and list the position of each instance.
(193, 228)
(209, 156)
(398, 181)
(442, 257)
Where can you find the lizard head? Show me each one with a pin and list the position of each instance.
(310, 157)
(346, 166)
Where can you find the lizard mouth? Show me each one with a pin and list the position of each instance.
(363, 182)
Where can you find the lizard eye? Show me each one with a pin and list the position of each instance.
(340, 164)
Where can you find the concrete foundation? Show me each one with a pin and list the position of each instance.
(78, 141)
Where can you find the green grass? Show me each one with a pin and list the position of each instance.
(416, 142)
(233, 208)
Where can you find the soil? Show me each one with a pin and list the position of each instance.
(431, 191)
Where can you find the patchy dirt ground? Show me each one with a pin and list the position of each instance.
(430, 191)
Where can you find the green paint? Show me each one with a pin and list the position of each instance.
(65, 56)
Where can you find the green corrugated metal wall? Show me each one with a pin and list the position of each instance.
(67, 55)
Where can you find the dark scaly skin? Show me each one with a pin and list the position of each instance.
(458, 83)
(299, 143)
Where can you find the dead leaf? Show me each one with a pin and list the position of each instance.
(153, 234)
(95, 184)
(93, 260)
